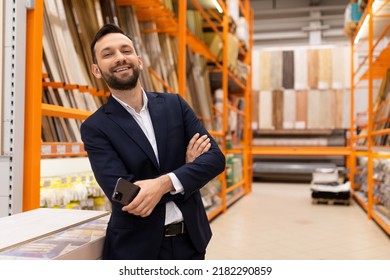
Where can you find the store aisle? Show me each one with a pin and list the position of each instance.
(278, 221)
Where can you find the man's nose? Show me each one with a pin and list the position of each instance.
(119, 57)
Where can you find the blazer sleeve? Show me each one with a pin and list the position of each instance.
(104, 159)
(207, 166)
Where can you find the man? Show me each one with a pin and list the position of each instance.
(143, 138)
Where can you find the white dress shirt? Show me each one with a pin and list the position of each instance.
(172, 212)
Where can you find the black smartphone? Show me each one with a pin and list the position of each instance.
(124, 191)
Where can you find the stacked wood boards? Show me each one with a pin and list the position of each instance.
(69, 28)
(67, 59)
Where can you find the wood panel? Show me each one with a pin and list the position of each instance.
(312, 68)
(276, 69)
(301, 109)
(325, 68)
(277, 108)
(300, 69)
(265, 110)
(289, 108)
(288, 69)
(265, 71)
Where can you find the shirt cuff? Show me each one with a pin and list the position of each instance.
(176, 184)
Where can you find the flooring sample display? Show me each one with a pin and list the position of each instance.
(256, 71)
(277, 106)
(288, 70)
(347, 66)
(265, 110)
(265, 71)
(276, 69)
(300, 69)
(313, 108)
(325, 112)
(312, 68)
(338, 107)
(301, 109)
(325, 68)
(338, 72)
(289, 109)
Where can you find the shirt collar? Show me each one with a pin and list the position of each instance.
(127, 106)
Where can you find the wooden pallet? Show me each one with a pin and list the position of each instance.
(331, 201)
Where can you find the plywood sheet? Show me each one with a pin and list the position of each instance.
(326, 112)
(338, 107)
(276, 69)
(301, 109)
(288, 70)
(277, 105)
(312, 68)
(313, 108)
(265, 71)
(289, 108)
(325, 68)
(338, 65)
(265, 110)
(300, 69)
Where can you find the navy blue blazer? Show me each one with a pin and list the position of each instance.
(117, 147)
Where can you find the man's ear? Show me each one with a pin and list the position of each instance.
(96, 71)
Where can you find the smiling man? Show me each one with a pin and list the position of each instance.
(156, 141)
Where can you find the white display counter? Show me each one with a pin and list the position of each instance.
(53, 234)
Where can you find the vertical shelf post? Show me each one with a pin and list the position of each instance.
(370, 171)
(182, 45)
(33, 122)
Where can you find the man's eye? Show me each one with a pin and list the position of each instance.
(106, 54)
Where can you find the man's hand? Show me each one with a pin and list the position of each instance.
(197, 146)
(150, 194)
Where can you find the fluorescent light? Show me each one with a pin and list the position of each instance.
(216, 4)
(362, 29)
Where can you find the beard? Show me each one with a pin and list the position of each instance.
(126, 83)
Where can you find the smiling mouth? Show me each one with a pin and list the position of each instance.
(121, 69)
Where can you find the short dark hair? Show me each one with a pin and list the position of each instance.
(106, 29)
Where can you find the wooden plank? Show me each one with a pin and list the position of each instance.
(289, 108)
(288, 69)
(265, 110)
(313, 108)
(277, 108)
(300, 69)
(276, 69)
(325, 68)
(301, 109)
(265, 71)
(312, 68)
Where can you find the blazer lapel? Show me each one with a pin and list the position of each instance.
(157, 107)
(119, 115)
